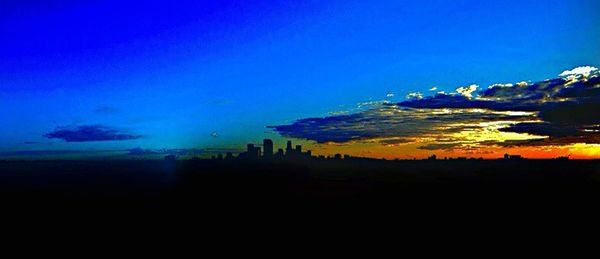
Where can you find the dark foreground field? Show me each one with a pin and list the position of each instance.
(208, 186)
(410, 199)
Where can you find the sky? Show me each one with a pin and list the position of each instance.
(392, 79)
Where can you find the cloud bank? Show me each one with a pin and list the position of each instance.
(559, 111)
(88, 133)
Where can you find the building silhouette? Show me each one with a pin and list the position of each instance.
(252, 152)
(295, 154)
(288, 148)
(268, 148)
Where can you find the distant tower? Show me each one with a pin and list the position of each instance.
(268, 148)
(298, 149)
(288, 148)
(250, 148)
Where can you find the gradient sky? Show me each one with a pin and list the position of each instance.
(215, 74)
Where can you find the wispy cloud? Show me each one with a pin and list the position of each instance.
(88, 133)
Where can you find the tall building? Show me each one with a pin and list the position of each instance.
(288, 148)
(268, 148)
(250, 149)
(298, 149)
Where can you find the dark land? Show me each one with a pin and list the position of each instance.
(327, 184)
(463, 202)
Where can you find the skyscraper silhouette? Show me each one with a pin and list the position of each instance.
(268, 148)
(288, 148)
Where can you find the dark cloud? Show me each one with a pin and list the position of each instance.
(558, 134)
(89, 133)
(581, 89)
(564, 110)
(395, 141)
(568, 107)
(548, 94)
(550, 141)
(580, 113)
(389, 121)
(544, 129)
(523, 91)
(34, 143)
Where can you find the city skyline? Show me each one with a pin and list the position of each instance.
(391, 79)
(291, 153)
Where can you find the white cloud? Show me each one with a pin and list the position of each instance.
(522, 83)
(371, 104)
(389, 94)
(499, 85)
(467, 90)
(579, 71)
(433, 88)
(414, 95)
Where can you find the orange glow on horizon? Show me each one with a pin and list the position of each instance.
(412, 151)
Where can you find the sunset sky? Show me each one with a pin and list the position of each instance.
(392, 79)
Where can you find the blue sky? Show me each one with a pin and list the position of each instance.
(175, 73)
